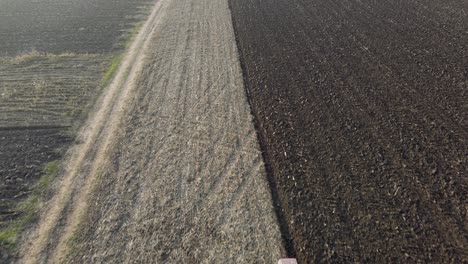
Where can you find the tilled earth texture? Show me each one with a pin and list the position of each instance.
(58, 26)
(362, 109)
(169, 169)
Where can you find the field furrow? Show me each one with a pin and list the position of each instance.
(362, 109)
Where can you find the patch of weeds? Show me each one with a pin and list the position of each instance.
(112, 68)
(128, 36)
(28, 209)
(50, 173)
(126, 40)
(36, 55)
(8, 236)
(26, 57)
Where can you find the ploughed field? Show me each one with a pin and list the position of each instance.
(58, 26)
(55, 56)
(361, 108)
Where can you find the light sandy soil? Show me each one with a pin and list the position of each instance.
(168, 168)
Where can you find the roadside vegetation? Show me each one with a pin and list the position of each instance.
(28, 208)
(126, 40)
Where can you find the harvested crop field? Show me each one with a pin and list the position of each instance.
(362, 107)
(169, 167)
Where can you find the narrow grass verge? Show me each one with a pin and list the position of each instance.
(28, 209)
(126, 40)
(111, 70)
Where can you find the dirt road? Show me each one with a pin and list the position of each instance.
(168, 168)
(362, 106)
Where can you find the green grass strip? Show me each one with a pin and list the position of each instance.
(28, 208)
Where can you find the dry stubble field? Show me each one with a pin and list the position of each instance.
(173, 172)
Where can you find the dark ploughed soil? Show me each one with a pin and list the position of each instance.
(361, 106)
(58, 26)
(23, 153)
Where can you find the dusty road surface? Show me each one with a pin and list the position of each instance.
(362, 106)
(168, 167)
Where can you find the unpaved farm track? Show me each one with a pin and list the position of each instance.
(168, 169)
(362, 106)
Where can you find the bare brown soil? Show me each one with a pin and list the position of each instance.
(362, 109)
(58, 26)
(26, 151)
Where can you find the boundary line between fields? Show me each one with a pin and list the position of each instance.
(288, 243)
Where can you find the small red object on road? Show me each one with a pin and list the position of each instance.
(287, 261)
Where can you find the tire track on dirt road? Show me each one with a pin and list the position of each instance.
(176, 174)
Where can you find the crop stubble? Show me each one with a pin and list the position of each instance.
(362, 108)
(171, 170)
